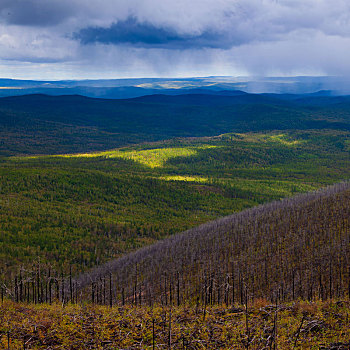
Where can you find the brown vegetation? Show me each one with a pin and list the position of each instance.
(320, 325)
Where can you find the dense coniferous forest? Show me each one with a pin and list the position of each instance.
(95, 192)
(82, 210)
(40, 124)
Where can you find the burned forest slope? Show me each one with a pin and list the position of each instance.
(296, 248)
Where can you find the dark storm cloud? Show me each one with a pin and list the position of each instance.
(147, 35)
(217, 24)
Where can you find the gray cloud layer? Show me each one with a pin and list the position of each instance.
(35, 12)
(147, 35)
(164, 37)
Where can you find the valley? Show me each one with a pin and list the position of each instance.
(83, 209)
(218, 222)
(174, 175)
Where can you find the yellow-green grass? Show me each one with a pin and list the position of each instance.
(77, 327)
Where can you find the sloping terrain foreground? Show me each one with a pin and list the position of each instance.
(319, 325)
(182, 291)
(297, 248)
(274, 276)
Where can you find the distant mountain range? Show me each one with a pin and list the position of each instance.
(129, 88)
(42, 124)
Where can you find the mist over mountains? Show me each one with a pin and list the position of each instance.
(130, 88)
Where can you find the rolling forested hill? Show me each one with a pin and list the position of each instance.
(84, 209)
(39, 124)
(85, 183)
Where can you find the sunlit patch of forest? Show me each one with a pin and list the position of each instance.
(82, 210)
(153, 158)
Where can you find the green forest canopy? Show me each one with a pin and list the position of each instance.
(85, 209)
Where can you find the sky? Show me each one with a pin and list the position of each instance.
(92, 39)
